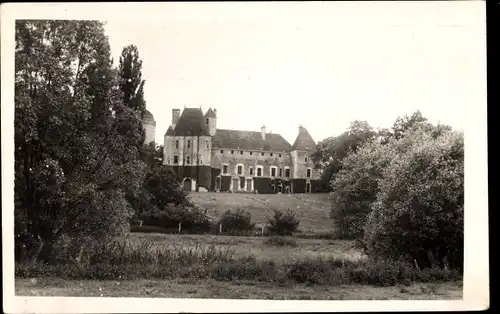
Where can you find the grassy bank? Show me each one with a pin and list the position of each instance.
(313, 210)
(208, 288)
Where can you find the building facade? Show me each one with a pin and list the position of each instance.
(205, 158)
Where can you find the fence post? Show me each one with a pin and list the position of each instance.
(140, 223)
(262, 230)
(180, 224)
(220, 228)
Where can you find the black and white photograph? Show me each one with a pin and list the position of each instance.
(244, 156)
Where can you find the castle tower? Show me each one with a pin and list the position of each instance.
(211, 121)
(149, 125)
(304, 172)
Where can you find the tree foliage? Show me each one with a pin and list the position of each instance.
(331, 151)
(418, 213)
(76, 143)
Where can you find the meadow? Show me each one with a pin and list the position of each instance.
(224, 266)
(313, 210)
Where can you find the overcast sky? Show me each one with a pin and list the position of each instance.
(321, 65)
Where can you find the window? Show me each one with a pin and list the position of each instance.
(287, 172)
(279, 155)
(240, 169)
(176, 159)
(232, 152)
(305, 159)
(273, 171)
(208, 145)
(308, 173)
(177, 144)
(241, 152)
(262, 154)
(224, 169)
(201, 161)
(168, 161)
(271, 154)
(222, 151)
(251, 171)
(206, 121)
(189, 143)
(281, 172)
(251, 153)
(259, 172)
(188, 160)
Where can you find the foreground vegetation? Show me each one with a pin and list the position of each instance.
(237, 289)
(140, 259)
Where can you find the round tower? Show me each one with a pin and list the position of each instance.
(211, 121)
(149, 125)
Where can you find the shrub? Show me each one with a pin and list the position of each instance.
(283, 224)
(193, 219)
(419, 211)
(280, 241)
(239, 220)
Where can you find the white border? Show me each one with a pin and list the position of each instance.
(476, 277)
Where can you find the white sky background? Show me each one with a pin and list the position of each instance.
(321, 65)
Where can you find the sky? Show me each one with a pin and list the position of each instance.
(320, 65)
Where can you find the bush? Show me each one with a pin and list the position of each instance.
(280, 241)
(283, 224)
(193, 219)
(419, 211)
(239, 220)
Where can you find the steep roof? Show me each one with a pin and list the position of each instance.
(249, 140)
(170, 131)
(191, 123)
(304, 141)
(210, 113)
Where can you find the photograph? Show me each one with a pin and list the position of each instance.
(250, 156)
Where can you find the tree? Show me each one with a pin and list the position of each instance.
(76, 151)
(402, 125)
(131, 82)
(356, 185)
(355, 188)
(418, 214)
(331, 151)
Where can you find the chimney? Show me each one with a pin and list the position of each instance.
(263, 132)
(176, 114)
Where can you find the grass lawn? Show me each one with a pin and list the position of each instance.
(313, 210)
(246, 246)
(192, 288)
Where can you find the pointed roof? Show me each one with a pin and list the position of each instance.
(249, 140)
(304, 141)
(210, 113)
(191, 123)
(170, 131)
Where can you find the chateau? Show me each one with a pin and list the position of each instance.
(205, 158)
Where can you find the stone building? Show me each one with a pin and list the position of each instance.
(209, 159)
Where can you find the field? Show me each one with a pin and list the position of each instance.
(243, 289)
(313, 210)
(254, 246)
